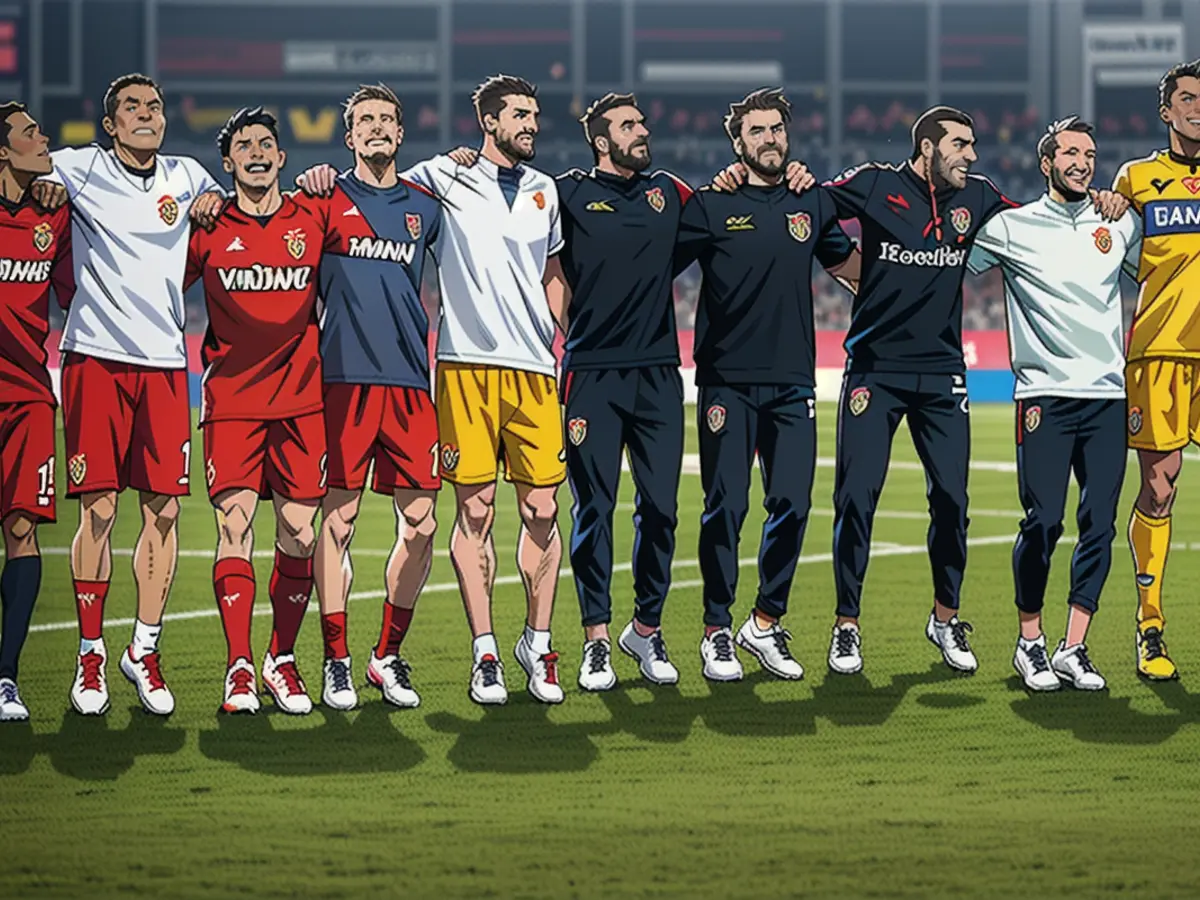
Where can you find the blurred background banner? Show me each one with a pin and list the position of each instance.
(856, 71)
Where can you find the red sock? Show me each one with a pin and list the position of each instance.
(396, 620)
(233, 585)
(333, 630)
(89, 607)
(291, 585)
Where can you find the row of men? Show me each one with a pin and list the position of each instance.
(276, 383)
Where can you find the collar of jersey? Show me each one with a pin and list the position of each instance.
(489, 168)
(1072, 210)
(918, 182)
(763, 193)
(1192, 162)
(126, 172)
(399, 189)
(287, 210)
(616, 181)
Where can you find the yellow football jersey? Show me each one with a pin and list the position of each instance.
(1165, 189)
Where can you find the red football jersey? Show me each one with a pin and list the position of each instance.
(261, 353)
(35, 253)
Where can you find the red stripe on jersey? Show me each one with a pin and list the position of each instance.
(1020, 419)
(685, 191)
(417, 187)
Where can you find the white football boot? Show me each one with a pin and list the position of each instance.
(487, 682)
(719, 656)
(951, 638)
(1072, 665)
(12, 707)
(145, 674)
(1032, 664)
(89, 692)
(650, 651)
(845, 650)
(339, 690)
(595, 669)
(241, 692)
(391, 676)
(542, 670)
(284, 684)
(770, 648)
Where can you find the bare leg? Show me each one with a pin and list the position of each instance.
(412, 557)
(539, 551)
(235, 517)
(331, 565)
(155, 554)
(91, 550)
(474, 553)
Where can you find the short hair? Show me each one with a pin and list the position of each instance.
(113, 94)
(762, 99)
(594, 122)
(1170, 81)
(1048, 145)
(931, 125)
(367, 92)
(7, 110)
(244, 118)
(489, 96)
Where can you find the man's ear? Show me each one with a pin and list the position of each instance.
(399, 135)
(1045, 167)
(927, 148)
(488, 123)
(282, 159)
(739, 147)
(109, 126)
(602, 144)
(349, 141)
(227, 164)
(1164, 114)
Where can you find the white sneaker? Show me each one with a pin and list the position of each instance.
(542, 671)
(845, 650)
(596, 671)
(284, 684)
(1072, 665)
(719, 657)
(951, 639)
(339, 690)
(241, 693)
(391, 676)
(650, 651)
(1031, 663)
(145, 674)
(770, 649)
(89, 693)
(12, 707)
(487, 682)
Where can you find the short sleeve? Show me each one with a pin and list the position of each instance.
(427, 172)
(993, 200)
(202, 180)
(556, 229)
(1123, 185)
(851, 191)
(72, 166)
(990, 246)
(1133, 247)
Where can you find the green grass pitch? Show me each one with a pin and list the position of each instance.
(907, 781)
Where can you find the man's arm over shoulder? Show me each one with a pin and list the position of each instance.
(1131, 228)
(851, 190)
(202, 180)
(694, 232)
(990, 247)
(62, 274)
(73, 166)
(550, 189)
(197, 256)
(993, 200)
(432, 174)
(1126, 182)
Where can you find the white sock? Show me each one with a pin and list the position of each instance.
(145, 639)
(86, 646)
(1027, 644)
(538, 641)
(485, 645)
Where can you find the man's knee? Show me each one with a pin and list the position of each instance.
(1042, 530)
(338, 520)
(295, 528)
(539, 508)
(476, 510)
(948, 508)
(234, 524)
(98, 514)
(20, 535)
(161, 510)
(417, 520)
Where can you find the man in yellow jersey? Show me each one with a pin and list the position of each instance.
(1162, 374)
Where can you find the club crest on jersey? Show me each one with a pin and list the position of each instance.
(715, 417)
(655, 198)
(577, 431)
(1103, 239)
(412, 221)
(168, 209)
(539, 200)
(449, 457)
(77, 468)
(799, 226)
(1033, 418)
(1192, 183)
(860, 399)
(43, 236)
(1135, 420)
(960, 218)
(295, 242)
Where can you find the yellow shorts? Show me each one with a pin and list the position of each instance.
(483, 410)
(1163, 402)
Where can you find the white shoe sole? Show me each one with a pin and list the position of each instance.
(549, 701)
(1029, 686)
(723, 679)
(14, 717)
(132, 678)
(598, 688)
(641, 669)
(85, 712)
(378, 685)
(1067, 681)
(946, 659)
(753, 651)
(340, 707)
(281, 706)
(238, 710)
(475, 698)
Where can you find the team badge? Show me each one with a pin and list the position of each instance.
(860, 399)
(449, 457)
(168, 209)
(715, 417)
(960, 218)
(295, 242)
(799, 226)
(412, 221)
(1135, 420)
(77, 468)
(577, 431)
(1103, 239)
(540, 199)
(655, 198)
(43, 236)
(1192, 183)
(1033, 418)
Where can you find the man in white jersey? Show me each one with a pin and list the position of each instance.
(1062, 265)
(496, 395)
(124, 375)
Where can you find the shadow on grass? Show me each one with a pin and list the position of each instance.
(370, 740)
(86, 749)
(1099, 718)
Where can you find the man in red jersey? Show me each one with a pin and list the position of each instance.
(35, 253)
(264, 430)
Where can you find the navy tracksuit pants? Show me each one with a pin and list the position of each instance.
(872, 405)
(736, 422)
(1055, 437)
(608, 411)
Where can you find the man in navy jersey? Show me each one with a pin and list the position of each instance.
(756, 368)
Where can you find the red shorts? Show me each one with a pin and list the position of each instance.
(283, 456)
(126, 426)
(27, 460)
(394, 427)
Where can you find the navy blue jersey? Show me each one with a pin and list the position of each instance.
(756, 248)
(374, 329)
(907, 315)
(619, 236)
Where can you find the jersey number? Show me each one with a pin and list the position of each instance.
(186, 450)
(46, 483)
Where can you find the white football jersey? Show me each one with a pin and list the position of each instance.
(129, 242)
(490, 264)
(1062, 268)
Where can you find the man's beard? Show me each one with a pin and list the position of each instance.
(627, 160)
(767, 170)
(379, 158)
(1060, 184)
(508, 146)
(943, 170)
